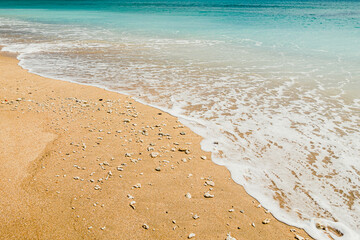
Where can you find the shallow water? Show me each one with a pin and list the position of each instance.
(275, 83)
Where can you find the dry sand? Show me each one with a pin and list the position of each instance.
(74, 158)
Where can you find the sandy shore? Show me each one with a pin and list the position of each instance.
(80, 162)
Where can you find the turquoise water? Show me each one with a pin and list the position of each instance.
(276, 83)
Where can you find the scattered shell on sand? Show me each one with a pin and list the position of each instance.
(145, 226)
(154, 154)
(229, 237)
(158, 169)
(208, 195)
(138, 185)
(231, 210)
(266, 221)
(182, 149)
(191, 235)
(298, 237)
(188, 195)
(203, 157)
(253, 224)
(195, 216)
(97, 187)
(210, 183)
(132, 204)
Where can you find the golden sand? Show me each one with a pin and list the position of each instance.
(80, 162)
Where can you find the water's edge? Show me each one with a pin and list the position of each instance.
(199, 127)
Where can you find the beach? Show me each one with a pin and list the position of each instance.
(81, 162)
(270, 88)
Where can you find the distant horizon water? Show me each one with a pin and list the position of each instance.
(275, 83)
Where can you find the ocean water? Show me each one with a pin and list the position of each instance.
(276, 83)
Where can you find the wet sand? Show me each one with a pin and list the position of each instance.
(80, 162)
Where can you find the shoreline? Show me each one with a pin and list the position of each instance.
(84, 145)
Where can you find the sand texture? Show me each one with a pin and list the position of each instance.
(80, 162)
